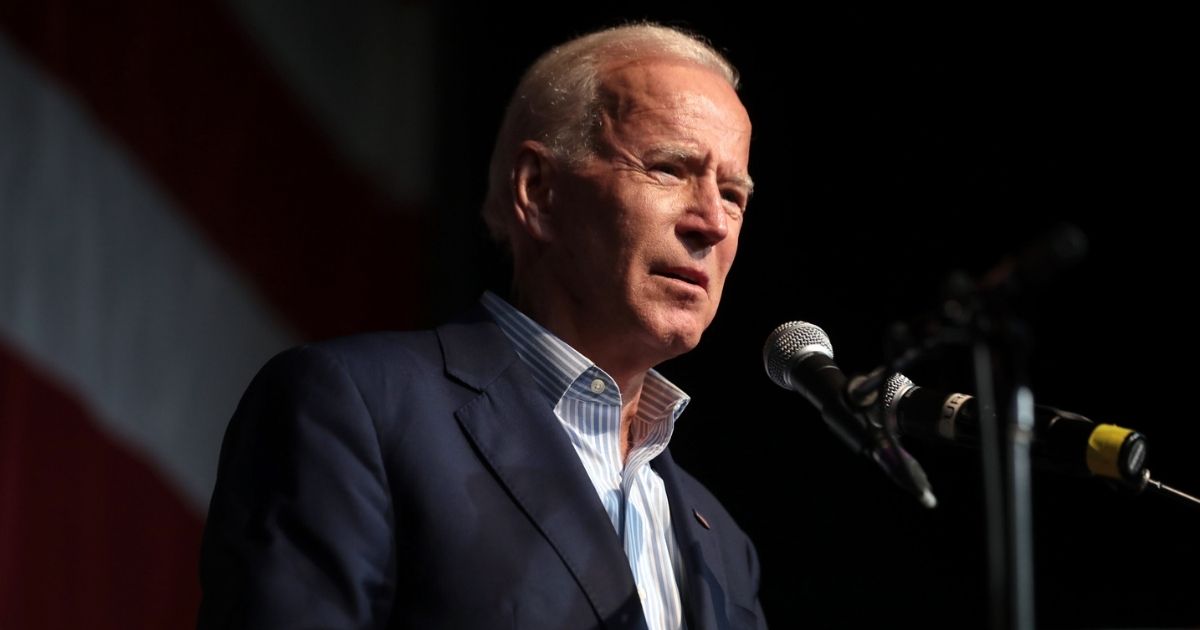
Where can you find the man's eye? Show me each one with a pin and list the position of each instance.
(733, 196)
(667, 168)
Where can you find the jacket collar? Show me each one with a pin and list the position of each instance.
(523, 443)
(703, 583)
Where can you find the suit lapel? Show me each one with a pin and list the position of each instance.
(525, 446)
(703, 588)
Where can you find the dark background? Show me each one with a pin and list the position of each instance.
(889, 151)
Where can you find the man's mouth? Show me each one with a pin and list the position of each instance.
(689, 275)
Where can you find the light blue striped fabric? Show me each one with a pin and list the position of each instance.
(588, 403)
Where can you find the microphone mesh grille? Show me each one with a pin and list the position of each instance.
(897, 384)
(788, 344)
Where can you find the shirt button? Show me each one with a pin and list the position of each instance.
(598, 386)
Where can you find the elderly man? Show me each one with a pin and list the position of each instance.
(509, 469)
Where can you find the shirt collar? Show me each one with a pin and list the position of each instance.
(556, 366)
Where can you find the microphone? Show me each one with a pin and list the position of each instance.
(1062, 441)
(798, 356)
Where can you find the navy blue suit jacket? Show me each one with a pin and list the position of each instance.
(421, 480)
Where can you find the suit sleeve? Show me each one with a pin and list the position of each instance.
(300, 528)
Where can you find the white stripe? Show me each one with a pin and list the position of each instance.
(103, 284)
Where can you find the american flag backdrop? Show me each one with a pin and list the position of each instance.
(185, 190)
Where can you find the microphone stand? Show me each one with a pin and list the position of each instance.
(980, 314)
(995, 339)
(1006, 478)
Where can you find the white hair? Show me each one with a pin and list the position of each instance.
(557, 101)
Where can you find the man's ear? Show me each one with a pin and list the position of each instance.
(534, 177)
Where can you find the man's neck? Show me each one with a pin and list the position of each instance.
(613, 357)
(616, 356)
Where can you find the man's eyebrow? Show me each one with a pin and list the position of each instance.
(677, 151)
(689, 154)
(743, 181)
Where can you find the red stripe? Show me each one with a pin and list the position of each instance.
(90, 536)
(180, 85)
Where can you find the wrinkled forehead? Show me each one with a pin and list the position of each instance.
(670, 97)
(659, 81)
(676, 107)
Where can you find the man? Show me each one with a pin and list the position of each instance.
(509, 469)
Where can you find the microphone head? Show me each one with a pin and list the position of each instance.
(897, 387)
(789, 344)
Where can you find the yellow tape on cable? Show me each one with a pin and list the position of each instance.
(1104, 450)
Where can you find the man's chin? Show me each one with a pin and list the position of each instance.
(679, 338)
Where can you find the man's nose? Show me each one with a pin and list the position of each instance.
(706, 222)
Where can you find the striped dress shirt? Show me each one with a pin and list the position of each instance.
(587, 402)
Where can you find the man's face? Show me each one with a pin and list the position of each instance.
(648, 226)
